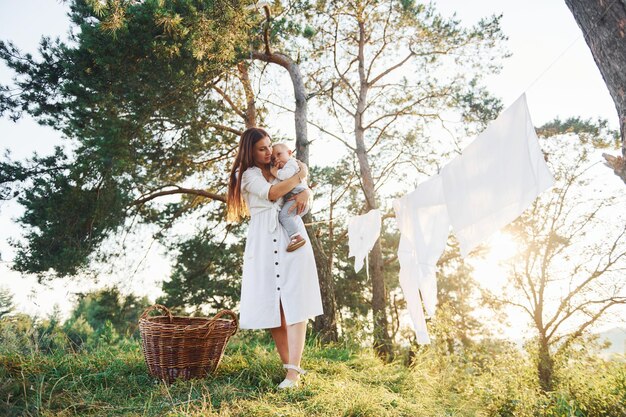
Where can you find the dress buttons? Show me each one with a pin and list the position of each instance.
(278, 288)
(276, 263)
(275, 251)
(274, 240)
(277, 276)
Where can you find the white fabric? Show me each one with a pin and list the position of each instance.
(410, 289)
(424, 227)
(267, 266)
(363, 231)
(290, 169)
(495, 178)
(489, 185)
(423, 221)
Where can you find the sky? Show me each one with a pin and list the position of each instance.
(550, 62)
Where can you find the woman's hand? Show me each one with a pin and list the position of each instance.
(304, 170)
(302, 199)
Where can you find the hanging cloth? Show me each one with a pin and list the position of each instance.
(495, 178)
(424, 226)
(363, 231)
(486, 187)
(410, 289)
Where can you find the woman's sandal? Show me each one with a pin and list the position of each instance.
(288, 383)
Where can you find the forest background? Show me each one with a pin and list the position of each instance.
(157, 230)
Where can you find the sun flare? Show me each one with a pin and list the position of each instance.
(502, 246)
(489, 267)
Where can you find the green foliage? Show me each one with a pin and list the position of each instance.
(68, 211)
(130, 90)
(26, 335)
(100, 318)
(67, 216)
(6, 302)
(308, 32)
(478, 105)
(336, 194)
(105, 313)
(79, 333)
(17, 334)
(458, 296)
(491, 379)
(596, 133)
(206, 271)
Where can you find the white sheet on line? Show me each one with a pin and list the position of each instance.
(495, 178)
(486, 187)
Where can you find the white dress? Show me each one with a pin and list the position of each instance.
(271, 275)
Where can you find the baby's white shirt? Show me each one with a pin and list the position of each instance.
(290, 169)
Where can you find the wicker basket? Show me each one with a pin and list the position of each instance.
(184, 347)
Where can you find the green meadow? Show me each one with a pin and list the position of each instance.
(490, 379)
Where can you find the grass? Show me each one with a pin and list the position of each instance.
(342, 381)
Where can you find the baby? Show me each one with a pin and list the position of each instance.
(283, 167)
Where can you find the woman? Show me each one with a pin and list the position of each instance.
(279, 289)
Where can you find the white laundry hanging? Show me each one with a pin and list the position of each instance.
(424, 227)
(410, 289)
(486, 187)
(495, 178)
(422, 218)
(363, 231)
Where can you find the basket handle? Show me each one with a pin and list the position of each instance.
(156, 307)
(211, 323)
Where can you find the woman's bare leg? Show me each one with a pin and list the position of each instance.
(289, 342)
(279, 334)
(296, 335)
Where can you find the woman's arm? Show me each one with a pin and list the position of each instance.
(283, 187)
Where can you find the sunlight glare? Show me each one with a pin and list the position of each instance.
(502, 247)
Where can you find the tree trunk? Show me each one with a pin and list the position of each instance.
(250, 118)
(382, 341)
(545, 366)
(604, 24)
(325, 325)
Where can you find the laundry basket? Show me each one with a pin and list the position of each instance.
(184, 347)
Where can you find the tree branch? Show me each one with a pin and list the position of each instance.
(179, 190)
(388, 70)
(342, 74)
(229, 101)
(579, 332)
(224, 128)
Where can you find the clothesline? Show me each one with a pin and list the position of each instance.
(344, 217)
(595, 25)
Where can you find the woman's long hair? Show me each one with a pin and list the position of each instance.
(235, 205)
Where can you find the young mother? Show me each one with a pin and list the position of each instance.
(279, 289)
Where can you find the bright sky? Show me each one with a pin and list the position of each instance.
(550, 62)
